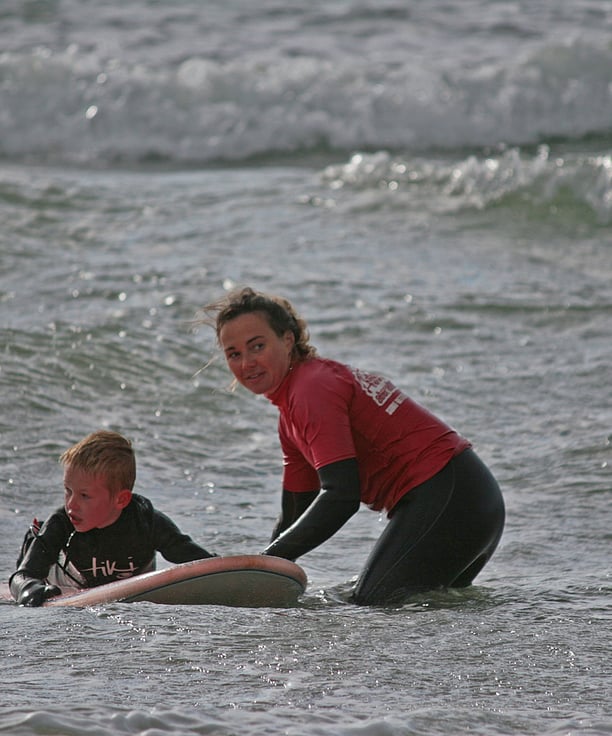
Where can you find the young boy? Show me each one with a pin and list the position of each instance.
(103, 532)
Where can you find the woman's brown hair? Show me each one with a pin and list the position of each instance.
(278, 311)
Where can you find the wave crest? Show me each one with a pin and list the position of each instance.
(73, 107)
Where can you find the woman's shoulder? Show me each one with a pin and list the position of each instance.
(320, 376)
(316, 367)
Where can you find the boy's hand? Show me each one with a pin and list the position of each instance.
(36, 592)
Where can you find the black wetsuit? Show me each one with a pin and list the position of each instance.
(440, 534)
(125, 548)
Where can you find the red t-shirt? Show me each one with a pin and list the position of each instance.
(331, 412)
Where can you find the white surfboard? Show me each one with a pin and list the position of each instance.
(251, 581)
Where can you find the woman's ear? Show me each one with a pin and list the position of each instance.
(123, 498)
(289, 340)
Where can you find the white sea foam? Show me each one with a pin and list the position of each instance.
(189, 87)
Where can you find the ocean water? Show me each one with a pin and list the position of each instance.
(431, 184)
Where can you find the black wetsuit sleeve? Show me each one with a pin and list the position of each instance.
(42, 553)
(293, 506)
(337, 501)
(173, 545)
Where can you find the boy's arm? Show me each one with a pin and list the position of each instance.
(172, 544)
(27, 584)
(31, 591)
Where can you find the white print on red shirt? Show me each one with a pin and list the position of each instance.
(379, 389)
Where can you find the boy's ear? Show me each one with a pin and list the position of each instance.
(123, 498)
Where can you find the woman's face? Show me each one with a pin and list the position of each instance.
(255, 354)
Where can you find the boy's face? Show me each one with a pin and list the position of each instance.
(88, 500)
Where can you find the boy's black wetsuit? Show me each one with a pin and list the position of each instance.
(125, 548)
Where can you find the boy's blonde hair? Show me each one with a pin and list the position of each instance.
(104, 453)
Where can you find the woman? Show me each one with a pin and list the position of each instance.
(349, 437)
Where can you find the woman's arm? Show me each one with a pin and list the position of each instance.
(323, 514)
(293, 506)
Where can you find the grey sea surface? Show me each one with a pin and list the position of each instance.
(432, 190)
